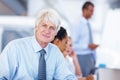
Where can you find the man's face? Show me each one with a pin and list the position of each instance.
(45, 32)
(90, 11)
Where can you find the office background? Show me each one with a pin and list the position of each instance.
(17, 20)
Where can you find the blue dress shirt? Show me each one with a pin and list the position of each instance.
(19, 61)
(81, 37)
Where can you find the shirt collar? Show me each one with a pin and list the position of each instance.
(84, 19)
(36, 45)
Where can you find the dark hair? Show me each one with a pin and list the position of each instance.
(61, 34)
(86, 4)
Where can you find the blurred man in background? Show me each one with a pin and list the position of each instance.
(83, 42)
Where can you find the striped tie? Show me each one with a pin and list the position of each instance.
(90, 33)
(42, 66)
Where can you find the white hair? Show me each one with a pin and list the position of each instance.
(49, 14)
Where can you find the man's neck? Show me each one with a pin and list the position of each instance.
(85, 16)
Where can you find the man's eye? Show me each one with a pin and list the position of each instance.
(52, 28)
(44, 25)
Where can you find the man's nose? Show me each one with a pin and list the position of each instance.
(47, 29)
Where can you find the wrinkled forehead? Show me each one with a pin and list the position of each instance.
(48, 23)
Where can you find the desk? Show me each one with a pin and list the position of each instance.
(108, 74)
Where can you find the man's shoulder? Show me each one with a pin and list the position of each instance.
(20, 40)
(52, 46)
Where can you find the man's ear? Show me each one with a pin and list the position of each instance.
(55, 33)
(36, 28)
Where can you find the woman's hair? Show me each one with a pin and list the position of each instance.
(61, 34)
(48, 15)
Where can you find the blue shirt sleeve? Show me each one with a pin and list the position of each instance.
(62, 72)
(8, 62)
